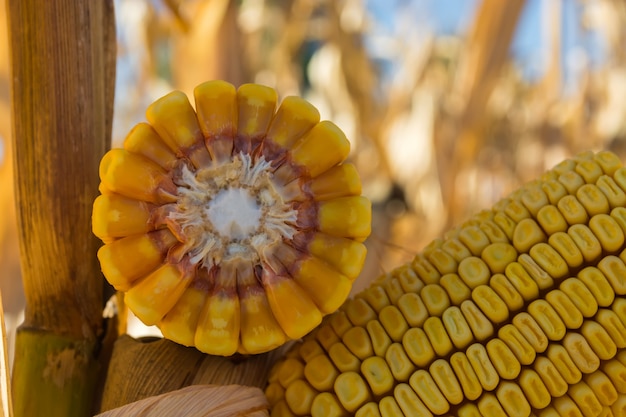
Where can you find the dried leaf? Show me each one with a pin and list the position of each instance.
(199, 401)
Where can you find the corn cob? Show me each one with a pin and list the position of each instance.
(215, 220)
(519, 311)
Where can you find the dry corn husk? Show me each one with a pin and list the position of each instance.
(199, 401)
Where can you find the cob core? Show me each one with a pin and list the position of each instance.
(520, 311)
(236, 226)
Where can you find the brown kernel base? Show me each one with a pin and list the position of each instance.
(539, 333)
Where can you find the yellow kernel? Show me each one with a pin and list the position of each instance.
(428, 391)
(518, 344)
(506, 291)
(457, 327)
(281, 409)
(527, 233)
(608, 161)
(357, 340)
(516, 211)
(326, 405)
(399, 363)
(572, 210)
(343, 255)
(469, 410)
(426, 272)
(551, 220)
(444, 377)
(599, 340)
(143, 140)
(503, 359)
(474, 239)
(619, 215)
(274, 393)
(181, 322)
(529, 328)
(534, 389)
(339, 322)
(552, 379)
(368, 410)
(489, 406)
(439, 339)
(572, 181)
(299, 396)
(613, 193)
(482, 366)
(493, 232)
(571, 316)
(345, 217)
(389, 407)
(376, 297)
(540, 276)
(490, 303)
(321, 148)
(320, 373)
(441, 260)
(393, 322)
(456, 249)
(565, 246)
(352, 391)
(581, 353)
(326, 336)
(409, 281)
(513, 400)
(155, 295)
(498, 255)
(614, 271)
(564, 166)
(309, 349)
(290, 370)
(580, 295)
(602, 387)
(616, 372)
(598, 285)
(359, 312)
(117, 216)
(586, 241)
(255, 105)
(409, 402)
(522, 281)
(548, 319)
(565, 406)
(393, 289)
(549, 260)
(378, 375)
(554, 190)
(480, 325)
(380, 339)
(592, 199)
(505, 223)
(413, 309)
(455, 287)
(586, 400)
(534, 198)
(418, 347)
(564, 364)
(613, 326)
(293, 118)
(435, 299)
(590, 170)
(474, 271)
(607, 231)
(343, 359)
(466, 375)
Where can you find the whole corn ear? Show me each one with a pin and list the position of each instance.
(519, 311)
(236, 226)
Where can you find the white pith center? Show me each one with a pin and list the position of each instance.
(231, 211)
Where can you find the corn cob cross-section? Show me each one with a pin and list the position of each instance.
(236, 226)
(520, 311)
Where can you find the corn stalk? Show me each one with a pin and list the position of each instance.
(63, 62)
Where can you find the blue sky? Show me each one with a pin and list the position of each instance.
(529, 46)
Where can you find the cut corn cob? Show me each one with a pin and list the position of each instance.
(519, 311)
(236, 226)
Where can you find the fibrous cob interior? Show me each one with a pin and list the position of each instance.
(236, 226)
(519, 311)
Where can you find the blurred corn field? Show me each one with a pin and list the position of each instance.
(443, 121)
